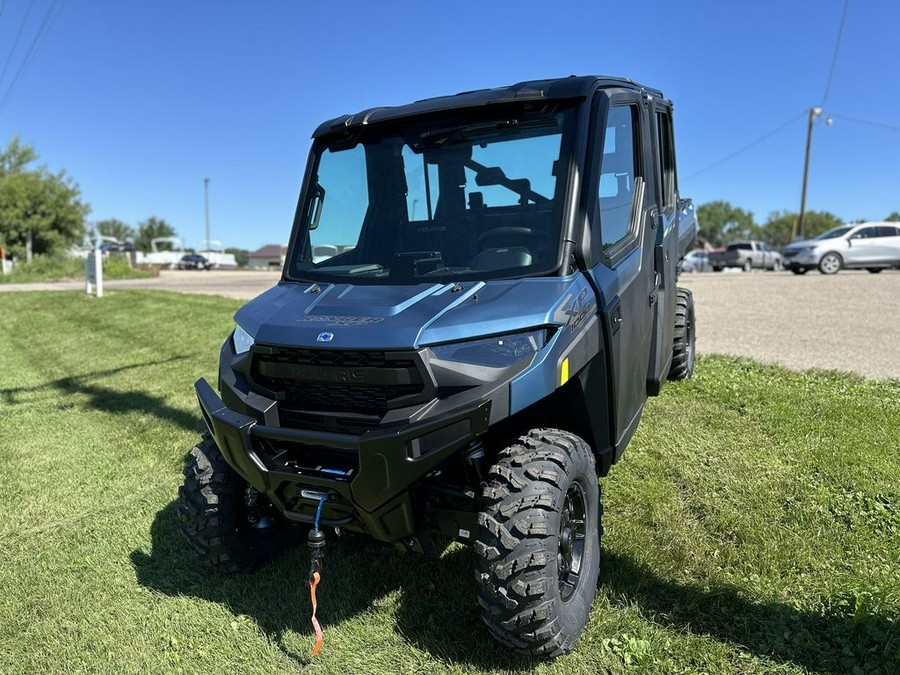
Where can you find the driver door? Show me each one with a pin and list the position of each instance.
(626, 216)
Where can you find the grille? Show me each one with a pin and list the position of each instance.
(337, 359)
(363, 384)
(364, 399)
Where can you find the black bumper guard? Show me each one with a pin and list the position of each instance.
(375, 498)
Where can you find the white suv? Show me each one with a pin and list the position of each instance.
(871, 246)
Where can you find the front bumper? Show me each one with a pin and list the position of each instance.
(801, 259)
(368, 487)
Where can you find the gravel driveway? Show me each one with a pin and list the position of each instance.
(849, 321)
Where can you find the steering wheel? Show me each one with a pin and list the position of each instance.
(508, 233)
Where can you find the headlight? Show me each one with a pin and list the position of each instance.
(495, 352)
(242, 340)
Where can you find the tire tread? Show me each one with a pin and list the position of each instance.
(682, 367)
(526, 487)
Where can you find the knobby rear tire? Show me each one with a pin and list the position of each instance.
(684, 345)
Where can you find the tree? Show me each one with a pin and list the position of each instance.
(150, 229)
(241, 256)
(778, 228)
(720, 222)
(16, 157)
(113, 227)
(894, 217)
(38, 204)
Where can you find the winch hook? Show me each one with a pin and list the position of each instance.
(315, 541)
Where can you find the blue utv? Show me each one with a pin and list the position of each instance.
(478, 298)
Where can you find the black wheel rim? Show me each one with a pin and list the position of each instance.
(572, 537)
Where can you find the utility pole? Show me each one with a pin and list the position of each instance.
(206, 203)
(798, 231)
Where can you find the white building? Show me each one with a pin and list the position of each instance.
(269, 257)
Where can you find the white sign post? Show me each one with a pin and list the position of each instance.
(93, 272)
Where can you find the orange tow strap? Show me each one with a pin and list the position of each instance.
(315, 622)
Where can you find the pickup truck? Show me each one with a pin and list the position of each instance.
(746, 255)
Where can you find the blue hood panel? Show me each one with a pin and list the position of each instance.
(404, 317)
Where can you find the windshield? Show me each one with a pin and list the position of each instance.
(835, 232)
(451, 199)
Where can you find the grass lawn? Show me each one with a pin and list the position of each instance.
(752, 526)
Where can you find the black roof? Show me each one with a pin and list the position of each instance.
(558, 88)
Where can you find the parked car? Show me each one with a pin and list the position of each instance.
(193, 261)
(870, 246)
(696, 261)
(117, 247)
(746, 255)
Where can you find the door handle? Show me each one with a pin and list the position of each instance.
(615, 319)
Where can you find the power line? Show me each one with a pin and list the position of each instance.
(837, 46)
(16, 42)
(748, 146)
(31, 50)
(866, 122)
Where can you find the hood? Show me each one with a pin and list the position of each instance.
(347, 316)
(803, 243)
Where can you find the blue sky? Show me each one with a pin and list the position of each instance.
(140, 101)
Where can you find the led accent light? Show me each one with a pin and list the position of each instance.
(242, 340)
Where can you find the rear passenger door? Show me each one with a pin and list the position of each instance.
(888, 244)
(863, 246)
(766, 256)
(665, 252)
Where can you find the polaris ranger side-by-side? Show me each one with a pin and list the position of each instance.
(478, 298)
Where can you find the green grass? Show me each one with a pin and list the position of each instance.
(752, 526)
(44, 268)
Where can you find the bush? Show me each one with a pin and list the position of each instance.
(118, 268)
(53, 268)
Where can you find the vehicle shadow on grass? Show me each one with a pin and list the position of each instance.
(828, 644)
(107, 399)
(436, 609)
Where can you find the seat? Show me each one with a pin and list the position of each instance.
(502, 258)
